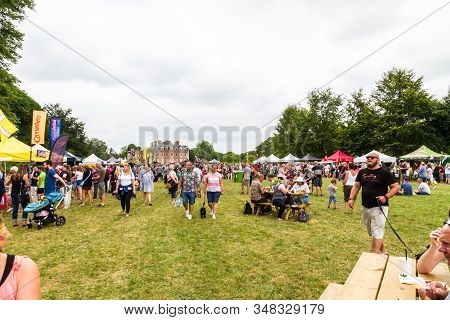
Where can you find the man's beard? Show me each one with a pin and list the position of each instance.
(370, 165)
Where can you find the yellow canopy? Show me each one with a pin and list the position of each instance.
(18, 151)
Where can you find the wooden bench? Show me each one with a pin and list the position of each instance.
(257, 207)
(375, 277)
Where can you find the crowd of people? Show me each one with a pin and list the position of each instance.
(189, 182)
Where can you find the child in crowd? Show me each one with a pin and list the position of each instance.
(332, 189)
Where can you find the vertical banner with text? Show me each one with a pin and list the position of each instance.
(38, 128)
(55, 130)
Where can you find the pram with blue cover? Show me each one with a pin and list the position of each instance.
(44, 212)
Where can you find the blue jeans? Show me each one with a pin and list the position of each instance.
(189, 197)
(16, 203)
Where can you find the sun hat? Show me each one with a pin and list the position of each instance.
(14, 168)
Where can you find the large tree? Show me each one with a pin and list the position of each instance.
(203, 150)
(11, 12)
(406, 110)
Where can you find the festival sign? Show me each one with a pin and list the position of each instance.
(55, 130)
(58, 151)
(38, 128)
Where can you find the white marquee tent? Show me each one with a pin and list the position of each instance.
(272, 159)
(92, 159)
(383, 157)
(289, 158)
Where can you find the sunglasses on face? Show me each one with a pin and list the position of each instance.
(370, 157)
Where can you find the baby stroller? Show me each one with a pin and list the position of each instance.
(44, 212)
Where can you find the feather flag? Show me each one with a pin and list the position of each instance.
(7, 128)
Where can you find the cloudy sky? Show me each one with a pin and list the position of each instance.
(226, 64)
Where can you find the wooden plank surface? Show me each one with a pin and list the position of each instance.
(391, 288)
(365, 279)
(331, 292)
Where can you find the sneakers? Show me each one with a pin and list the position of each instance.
(214, 216)
(189, 217)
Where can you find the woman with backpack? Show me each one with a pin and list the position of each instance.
(126, 188)
(20, 184)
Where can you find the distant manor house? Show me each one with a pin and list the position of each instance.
(167, 152)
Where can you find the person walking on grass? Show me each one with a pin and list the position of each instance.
(147, 188)
(172, 181)
(126, 188)
(374, 182)
(189, 188)
(317, 179)
(19, 182)
(213, 189)
(348, 182)
(246, 176)
(99, 181)
(87, 187)
(332, 197)
(51, 177)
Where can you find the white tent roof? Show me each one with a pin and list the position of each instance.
(92, 159)
(272, 158)
(260, 160)
(289, 158)
(383, 157)
(214, 161)
(37, 147)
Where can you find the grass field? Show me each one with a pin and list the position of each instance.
(157, 254)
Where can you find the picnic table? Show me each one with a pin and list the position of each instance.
(376, 277)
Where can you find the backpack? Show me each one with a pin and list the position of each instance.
(303, 217)
(248, 208)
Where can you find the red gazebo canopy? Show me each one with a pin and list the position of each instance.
(339, 156)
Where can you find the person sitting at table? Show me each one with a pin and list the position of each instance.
(280, 198)
(257, 191)
(405, 188)
(423, 189)
(301, 187)
(272, 181)
(439, 249)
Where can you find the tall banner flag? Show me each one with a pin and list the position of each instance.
(7, 128)
(55, 130)
(58, 151)
(38, 128)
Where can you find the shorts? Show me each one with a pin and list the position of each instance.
(374, 221)
(246, 183)
(40, 190)
(347, 192)
(79, 183)
(317, 181)
(189, 197)
(332, 199)
(305, 199)
(213, 197)
(100, 189)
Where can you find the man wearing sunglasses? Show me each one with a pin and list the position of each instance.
(378, 185)
(439, 249)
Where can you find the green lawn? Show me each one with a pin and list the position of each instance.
(157, 254)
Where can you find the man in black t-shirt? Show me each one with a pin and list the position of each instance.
(378, 185)
(33, 183)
